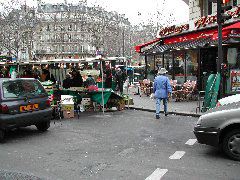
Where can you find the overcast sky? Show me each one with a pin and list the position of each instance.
(165, 12)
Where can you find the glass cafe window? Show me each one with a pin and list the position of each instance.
(233, 80)
(168, 64)
(179, 67)
(191, 65)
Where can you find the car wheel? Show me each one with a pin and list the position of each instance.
(43, 126)
(231, 144)
(2, 135)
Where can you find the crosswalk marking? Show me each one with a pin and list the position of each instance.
(177, 155)
(191, 142)
(157, 174)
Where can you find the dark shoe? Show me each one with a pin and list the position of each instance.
(166, 114)
(157, 117)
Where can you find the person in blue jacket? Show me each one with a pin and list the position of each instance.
(161, 89)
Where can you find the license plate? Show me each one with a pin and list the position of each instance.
(30, 107)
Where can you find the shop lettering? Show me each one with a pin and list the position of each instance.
(203, 21)
(206, 20)
(173, 30)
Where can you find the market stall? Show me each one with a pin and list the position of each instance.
(93, 98)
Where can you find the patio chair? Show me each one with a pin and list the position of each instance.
(191, 91)
(182, 94)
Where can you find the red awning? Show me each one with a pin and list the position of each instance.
(190, 36)
(201, 34)
(180, 38)
(227, 30)
(139, 47)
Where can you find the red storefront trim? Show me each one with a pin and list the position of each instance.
(139, 47)
(227, 30)
(190, 36)
(205, 33)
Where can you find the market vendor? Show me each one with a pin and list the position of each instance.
(120, 78)
(67, 82)
(108, 80)
(89, 81)
(77, 80)
(46, 76)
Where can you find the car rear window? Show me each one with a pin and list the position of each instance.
(22, 88)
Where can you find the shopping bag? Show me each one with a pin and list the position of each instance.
(152, 96)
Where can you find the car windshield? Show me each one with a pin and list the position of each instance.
(22, 88)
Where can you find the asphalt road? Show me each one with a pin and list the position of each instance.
(120, 145)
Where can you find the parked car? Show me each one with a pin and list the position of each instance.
(23, 102)
(228, 100)
(220, 127)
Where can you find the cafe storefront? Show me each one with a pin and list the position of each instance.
(189, 52)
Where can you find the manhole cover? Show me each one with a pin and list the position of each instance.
(6, 175)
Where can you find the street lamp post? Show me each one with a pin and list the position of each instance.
(123, 42)
(220, 51)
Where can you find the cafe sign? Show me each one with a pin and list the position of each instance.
(207, 20)
(172, 30)
(202, 22)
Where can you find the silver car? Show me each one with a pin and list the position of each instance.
(220, 127)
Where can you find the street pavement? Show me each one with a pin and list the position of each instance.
(128, 144)
(143, 102)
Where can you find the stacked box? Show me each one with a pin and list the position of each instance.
(67, 106)
(68, 114)
(86, 101)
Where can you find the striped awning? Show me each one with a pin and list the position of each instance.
(192, 44)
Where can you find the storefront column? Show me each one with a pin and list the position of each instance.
(146, 67)
(185, 66)
(173, 68)
(154, 63)
(163, 61)
(199, 78)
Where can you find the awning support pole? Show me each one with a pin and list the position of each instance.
(102, 88)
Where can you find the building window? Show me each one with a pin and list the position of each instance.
(48, 27)
(168, 58)
(191, 65)
(179, 66)
(209, 8)
(76, 48)
(70, 27)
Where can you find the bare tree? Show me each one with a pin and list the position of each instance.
(17, 28)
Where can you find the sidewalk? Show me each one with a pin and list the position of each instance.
(185, 108)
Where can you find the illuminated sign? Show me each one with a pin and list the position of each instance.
(173, 30)
(206, 20)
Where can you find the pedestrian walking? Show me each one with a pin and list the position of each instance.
(162, 89)
(120, 78)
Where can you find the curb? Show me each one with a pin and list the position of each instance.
(176, 113)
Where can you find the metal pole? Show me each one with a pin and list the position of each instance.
(102, 87)
(123, 45)
(145, 74)
(220, 50)
(127, 82)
